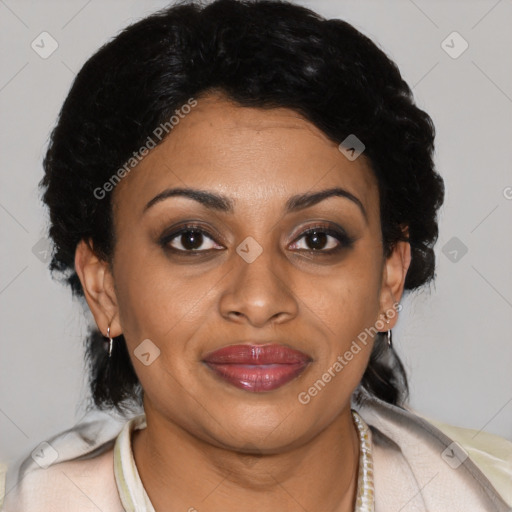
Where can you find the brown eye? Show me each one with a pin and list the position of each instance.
(322, 239)
(317, 240)
(189, 239)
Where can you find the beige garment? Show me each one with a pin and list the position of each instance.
(417, 468)
(488, 451)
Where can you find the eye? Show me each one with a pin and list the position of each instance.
(323, 239)
(190, 239)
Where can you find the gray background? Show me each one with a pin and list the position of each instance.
(455, 339)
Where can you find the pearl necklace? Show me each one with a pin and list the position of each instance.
(365, 501)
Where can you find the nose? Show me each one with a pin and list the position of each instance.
(258, 292)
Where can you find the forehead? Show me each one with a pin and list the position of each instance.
(248, 154)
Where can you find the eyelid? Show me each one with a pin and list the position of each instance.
(180, 227)
(324, 226)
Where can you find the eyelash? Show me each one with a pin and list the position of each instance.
(345, 241)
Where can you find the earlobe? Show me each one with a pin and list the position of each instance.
(395, 272)
(98, 285)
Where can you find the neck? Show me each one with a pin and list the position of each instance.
(181, 471)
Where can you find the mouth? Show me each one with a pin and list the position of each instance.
(257, 368)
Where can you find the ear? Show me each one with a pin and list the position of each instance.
(393, 280)
(98, 284)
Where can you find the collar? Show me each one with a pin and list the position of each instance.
(129, 485)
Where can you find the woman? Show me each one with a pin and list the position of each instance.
(242, 193)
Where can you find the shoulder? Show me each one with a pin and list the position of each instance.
(73, 470)
(80, 485)
(491, 453)
(444, 467)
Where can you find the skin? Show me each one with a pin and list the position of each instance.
(210, 446)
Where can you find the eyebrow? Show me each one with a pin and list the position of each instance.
(222, 203)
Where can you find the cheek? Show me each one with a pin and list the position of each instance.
(158, 301)
(347, 304)
(349, 298)
(158, 306)
(349, 307)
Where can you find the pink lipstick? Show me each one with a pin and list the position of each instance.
(257, 368)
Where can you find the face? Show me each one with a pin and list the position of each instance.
(257, 265)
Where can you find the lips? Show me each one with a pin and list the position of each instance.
(257, 368)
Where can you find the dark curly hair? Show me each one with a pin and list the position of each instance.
(263, 54)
